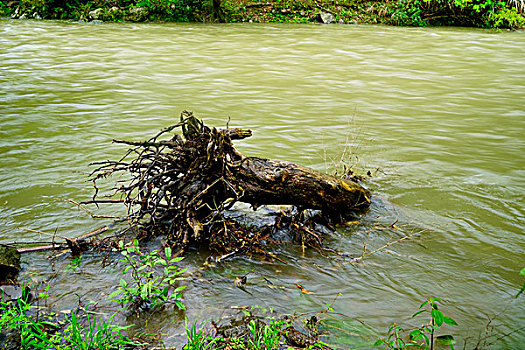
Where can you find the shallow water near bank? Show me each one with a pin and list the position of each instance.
(436, 114)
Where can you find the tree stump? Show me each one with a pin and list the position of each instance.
(180, 186)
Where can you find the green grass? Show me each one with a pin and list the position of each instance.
(77, 331)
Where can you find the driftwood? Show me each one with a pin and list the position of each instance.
(180, 186)
(266, 181)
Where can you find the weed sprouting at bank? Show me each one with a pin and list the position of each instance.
(29, 326)
(149, 288)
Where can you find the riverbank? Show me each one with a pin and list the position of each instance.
(484, 13)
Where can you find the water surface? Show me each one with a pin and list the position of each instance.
(436, 115)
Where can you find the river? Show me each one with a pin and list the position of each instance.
(436, 114)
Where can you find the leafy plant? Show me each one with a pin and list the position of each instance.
(271, 335)
(255, 341)
(198, 339)
(44, 332)
(97, 334)
(149, 287)
(260, 336)
(394, 339)
(409, 12)
(479, 13)
(506, 18)
(422, 337)
(74, 264)
(44, 294)
(178, 10)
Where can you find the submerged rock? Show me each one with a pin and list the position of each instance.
(10, 339)
(13, 293)
(95, 14)
(9, 262)
(16, 14)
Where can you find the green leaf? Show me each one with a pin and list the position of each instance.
(123, 283)
(379, 342)
(144, 291)
(177, 259)
(446, 339)
(415, 334)
(437, 316)
(521, 291)
(167, 251)
(114, 294)
(246, 312)
(522, 272)
(180, 305)
(449, 321)
(419, 312)
(424, 303)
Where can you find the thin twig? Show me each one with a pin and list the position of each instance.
(89, 212)
(43, 233)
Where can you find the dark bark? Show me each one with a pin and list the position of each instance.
(179, 187)
(267, 181)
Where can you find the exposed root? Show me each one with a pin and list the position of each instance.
(180, 186)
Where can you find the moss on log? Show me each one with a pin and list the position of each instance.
(267, 181)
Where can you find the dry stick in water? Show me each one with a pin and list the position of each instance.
(63, 245)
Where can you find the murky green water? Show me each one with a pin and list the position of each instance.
(439, 112)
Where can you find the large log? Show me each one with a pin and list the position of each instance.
(180, 186)
(267, 181)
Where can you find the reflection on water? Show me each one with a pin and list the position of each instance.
(438, 112)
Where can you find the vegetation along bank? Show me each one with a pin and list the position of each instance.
(472, 13)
